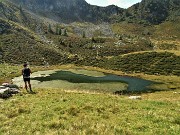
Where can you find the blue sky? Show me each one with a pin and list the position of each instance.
(120, 3)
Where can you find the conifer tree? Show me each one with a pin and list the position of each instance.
(84, 34)
(65, 33)
(59, 31)
(49, 28)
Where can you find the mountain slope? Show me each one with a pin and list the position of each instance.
(147, 11)
(153, 11)
(18, 40)
(70, 10)
(19, 45)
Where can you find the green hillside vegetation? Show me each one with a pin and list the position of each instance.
(171, 31)
(167, 35)
(148, 63)
(151, 12)
(164, 36)
(158, 63)
(16, 13)
(7, 72)
(60, 112)
(132, 29)
(106, 46)
(20, 41)
(19, 45)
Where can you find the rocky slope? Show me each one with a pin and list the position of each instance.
(70, 10)
(147, 11)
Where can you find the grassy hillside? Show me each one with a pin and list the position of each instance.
(19, 40)
(131, 28)
(57, 111)
(15, 13)
(168, 30)
(150, 63)
(167, 35)
(60, 112)
(19, 44)
(153, 63)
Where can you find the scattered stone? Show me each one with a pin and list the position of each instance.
(10, 85)
(2, 87)
(135, 97)
(5, 84)
(3, 90)
(7, 90)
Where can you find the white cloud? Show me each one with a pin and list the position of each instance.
(120, 3)
(123, 3)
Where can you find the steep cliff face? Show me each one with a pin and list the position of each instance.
(70, 10)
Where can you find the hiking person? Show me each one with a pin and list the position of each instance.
(26, 76)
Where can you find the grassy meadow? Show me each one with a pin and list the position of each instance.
(61, 111)
(55, 111)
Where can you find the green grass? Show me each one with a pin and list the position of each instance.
(59, 112)
(19, 45)
(7, 72)
(149, 62)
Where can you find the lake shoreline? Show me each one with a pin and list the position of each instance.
(82, 79)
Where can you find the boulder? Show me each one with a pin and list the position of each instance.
(3, 90)
(5, 84)
(5, 93)
(10, 85)
(7, 90)
(2, 87)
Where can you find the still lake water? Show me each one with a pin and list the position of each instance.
(91, 80)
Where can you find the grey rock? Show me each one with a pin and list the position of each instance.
(7, 90)
(2, 87)
(10, 85)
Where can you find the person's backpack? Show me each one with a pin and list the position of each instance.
(26, 72)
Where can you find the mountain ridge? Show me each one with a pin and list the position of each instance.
(146, 11)
(70, 10)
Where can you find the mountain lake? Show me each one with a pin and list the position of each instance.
(81, 79)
